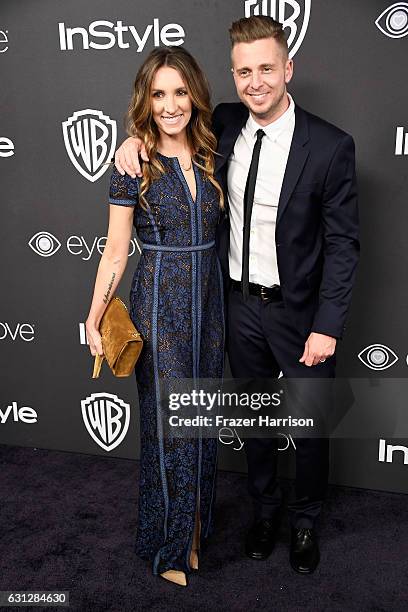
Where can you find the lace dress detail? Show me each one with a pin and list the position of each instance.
(176, 303)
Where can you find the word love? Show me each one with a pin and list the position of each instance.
(23, 331)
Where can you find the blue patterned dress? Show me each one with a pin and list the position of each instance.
(176, 303)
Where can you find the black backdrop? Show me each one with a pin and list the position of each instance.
(350, 68)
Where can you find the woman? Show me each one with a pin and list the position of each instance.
(175, 298)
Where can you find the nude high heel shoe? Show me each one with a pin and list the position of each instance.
(175, 576)
(196, 542)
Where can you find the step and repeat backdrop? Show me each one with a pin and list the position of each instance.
(67, 70)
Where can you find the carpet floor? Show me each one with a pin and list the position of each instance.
(68, 523)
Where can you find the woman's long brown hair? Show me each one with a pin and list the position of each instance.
(140, 122)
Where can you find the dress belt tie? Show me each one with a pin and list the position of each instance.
(165, 247)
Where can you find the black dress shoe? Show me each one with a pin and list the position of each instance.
(260, 539)
(304, 551)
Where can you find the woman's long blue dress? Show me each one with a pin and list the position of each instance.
(176, 303)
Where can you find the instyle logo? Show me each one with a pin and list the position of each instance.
(378, 357)
(106, 418)
(45, 244)
(386, 452)
(401, 141)
(393, 22)
(6, 147)
(293, 14)
(24, 414)
(90, 140)
(3, 41)
(20, 331)
(103, 34)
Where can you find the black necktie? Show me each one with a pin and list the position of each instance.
(248, 203)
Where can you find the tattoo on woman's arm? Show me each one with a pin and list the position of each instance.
(107, 294)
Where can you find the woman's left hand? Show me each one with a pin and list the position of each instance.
(94, 338)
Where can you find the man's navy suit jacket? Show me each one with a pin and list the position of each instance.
(316, 235)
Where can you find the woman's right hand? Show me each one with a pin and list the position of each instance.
(94, 339)
(127, 157)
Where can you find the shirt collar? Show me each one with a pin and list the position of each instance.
(272, 130)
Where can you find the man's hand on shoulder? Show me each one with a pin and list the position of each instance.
(318, 348)
(127, 157)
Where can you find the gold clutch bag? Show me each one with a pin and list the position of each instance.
(121, 342)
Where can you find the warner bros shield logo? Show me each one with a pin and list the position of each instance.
(106, 418)
(90, 141)
(293, 14)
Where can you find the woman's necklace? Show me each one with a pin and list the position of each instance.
(189, 167)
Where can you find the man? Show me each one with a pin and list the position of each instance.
(289, 245)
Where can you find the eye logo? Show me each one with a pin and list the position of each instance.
(293, 14)
(44, 244)
(393, 22)
(378, 357)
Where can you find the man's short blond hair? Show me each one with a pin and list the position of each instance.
(249, 29)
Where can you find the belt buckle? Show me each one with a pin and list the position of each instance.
(264, 296)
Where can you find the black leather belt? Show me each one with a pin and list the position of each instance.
(267, 294)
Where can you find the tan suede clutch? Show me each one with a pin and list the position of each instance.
(121, 342)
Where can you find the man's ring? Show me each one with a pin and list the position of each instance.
(322, 360)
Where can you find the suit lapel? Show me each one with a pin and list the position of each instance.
(298, 154)
(229, 137)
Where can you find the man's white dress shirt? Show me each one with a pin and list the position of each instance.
(276, 143)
